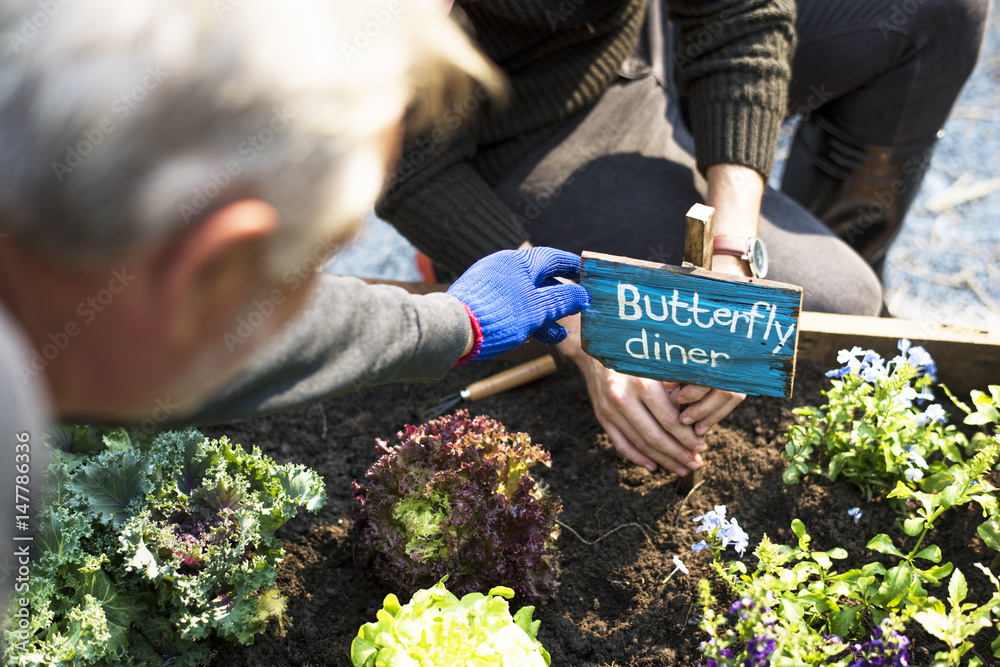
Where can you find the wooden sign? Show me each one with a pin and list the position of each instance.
(691, 325)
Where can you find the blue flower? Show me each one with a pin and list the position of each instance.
(846, 357)
(914, 474)
(872, 358)
(759, 651)
(855, 512)
(850, 360)
(918, 358)
(711, 520)
(934, 412)
(731, 532)
(727, 531)
(740, 604)
(904, 398)
(874, 372)
(887, 648)
(916, 458)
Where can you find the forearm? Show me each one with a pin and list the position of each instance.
(735, 192)
(350, 335)
(459, 206)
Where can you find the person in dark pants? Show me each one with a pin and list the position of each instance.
(594, 153)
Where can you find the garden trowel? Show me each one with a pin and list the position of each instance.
(495, 384)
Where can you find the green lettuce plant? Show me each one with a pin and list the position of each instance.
(148, 544)
(436, 628)
(454, 498)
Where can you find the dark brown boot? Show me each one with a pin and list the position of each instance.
(861, 192)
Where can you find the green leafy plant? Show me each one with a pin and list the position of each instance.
(436, 628)
(985, 410)
(148, 544)
(963, 621)
(796, 608)
(454, 498)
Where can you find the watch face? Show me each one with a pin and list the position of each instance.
(758, 257)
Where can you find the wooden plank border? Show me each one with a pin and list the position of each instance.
(966, 358)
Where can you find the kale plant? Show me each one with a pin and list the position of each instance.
(454, 497)
(148, 544)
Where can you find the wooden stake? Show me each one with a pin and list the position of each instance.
(698, 236)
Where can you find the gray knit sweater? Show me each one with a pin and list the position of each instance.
(733, 62)
(349, 336)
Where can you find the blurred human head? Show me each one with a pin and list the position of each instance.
(166, 161)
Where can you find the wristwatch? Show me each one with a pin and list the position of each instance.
(750, 248)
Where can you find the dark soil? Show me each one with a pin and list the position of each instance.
(622, 524)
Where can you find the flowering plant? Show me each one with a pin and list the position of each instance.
(796, 608)
(873, 430)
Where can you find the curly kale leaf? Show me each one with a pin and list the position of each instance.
(148, 544)
(194, 465)
(110, 483)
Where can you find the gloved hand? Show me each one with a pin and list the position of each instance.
(512, 294)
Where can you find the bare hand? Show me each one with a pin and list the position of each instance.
(643, 417)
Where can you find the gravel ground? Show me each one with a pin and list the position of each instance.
(944, 265)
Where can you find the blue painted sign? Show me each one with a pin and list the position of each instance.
(690, 325)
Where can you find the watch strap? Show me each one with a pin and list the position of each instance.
(731, 245)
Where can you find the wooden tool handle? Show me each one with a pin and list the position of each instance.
(513, 377)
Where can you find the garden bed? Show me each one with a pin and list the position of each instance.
(626, 523)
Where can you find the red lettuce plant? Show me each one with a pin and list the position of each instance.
(454, 497)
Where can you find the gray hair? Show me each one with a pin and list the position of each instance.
(122, 122)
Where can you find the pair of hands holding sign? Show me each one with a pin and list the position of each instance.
(656, 423)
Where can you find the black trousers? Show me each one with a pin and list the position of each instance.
(620, 177)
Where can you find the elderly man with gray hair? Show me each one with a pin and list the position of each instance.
(172, 173)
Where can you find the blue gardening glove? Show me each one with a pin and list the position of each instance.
(513, 294)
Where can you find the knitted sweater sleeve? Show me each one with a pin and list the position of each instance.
(559, 57)
(348, 336)
(733, 61)
(444, 206)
